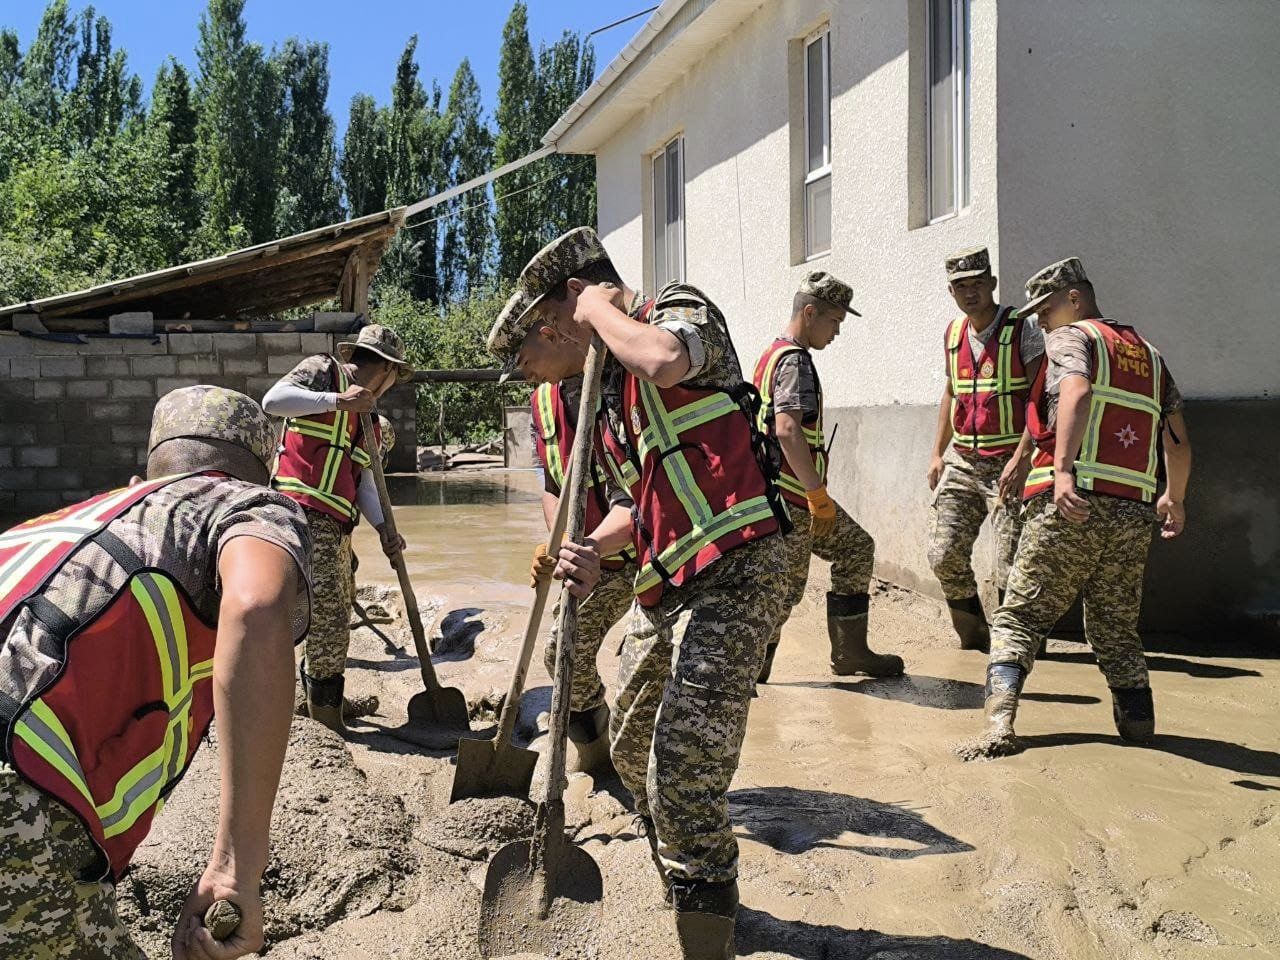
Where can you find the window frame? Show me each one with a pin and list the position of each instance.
(958, 155)
(822, 36)
(661, 276)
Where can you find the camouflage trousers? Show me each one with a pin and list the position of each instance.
(46, 911)
(965, 496)
(688, 669)
(607, 604)
(334, 587)
(848, 548)
(1104, 559)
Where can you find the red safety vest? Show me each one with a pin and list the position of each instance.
(320, 463)
(792, 489)
(1119, 453)
(114, 731)
(988, 393)
(554, 432)
(698, 487)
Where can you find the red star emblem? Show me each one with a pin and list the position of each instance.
(1128, 436)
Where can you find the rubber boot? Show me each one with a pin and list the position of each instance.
(589, 734)
(767, 667)
(705, 916)
(1135, 714)
(1004, 686)
(970, 623)
(324, 701)
(847, 628)
(353, 708)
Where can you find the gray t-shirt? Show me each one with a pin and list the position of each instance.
(1031, 345)
(795, 387)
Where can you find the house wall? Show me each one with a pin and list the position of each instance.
(1140, 137)
(75, 418)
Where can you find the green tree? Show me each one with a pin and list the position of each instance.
(568, 200)
(172, 120)
(46, 68)
(10, 61)
(238, 132)
(517, 220)
(105, 95)
(468, 239)
(364, 157)
(309, 195)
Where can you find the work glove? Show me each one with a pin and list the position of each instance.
(542, 568)
(822, 512)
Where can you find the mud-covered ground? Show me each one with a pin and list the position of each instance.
(862, 835)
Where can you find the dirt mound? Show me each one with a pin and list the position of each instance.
(476, 828)
(338, 850)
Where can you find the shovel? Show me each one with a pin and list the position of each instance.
(438, 716)
(540, 891)
(497, 767)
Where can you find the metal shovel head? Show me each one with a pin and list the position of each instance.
(437, 719)
(487, 768)
(509, 913)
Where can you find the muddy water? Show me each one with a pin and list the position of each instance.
(861, 833)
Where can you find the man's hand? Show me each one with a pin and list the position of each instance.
(1172, 514)
(579, 567)
(356, 399)
(191, 941)
(589, 302)
(542, 568)
(935, 472)
(822, 512)
(1012, 479)
(1069, 503)
(391, 545)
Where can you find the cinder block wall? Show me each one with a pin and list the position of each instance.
(75, 417)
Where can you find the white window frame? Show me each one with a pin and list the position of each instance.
(823, 36)
(666, 272)
(958, 156)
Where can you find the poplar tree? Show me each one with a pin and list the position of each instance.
(172, 120)
(46, 67)
(466, 255)
(105, 95)
(364, 157)
(309, 195)
(565, 71)
(517, 219)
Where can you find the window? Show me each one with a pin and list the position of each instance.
(668, 213)
(817, 145)
(947, 59)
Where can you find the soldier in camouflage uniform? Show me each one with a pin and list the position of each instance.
(704, 613)
(970, 474)
(792, 410)
(1100, 412)
(241, 553)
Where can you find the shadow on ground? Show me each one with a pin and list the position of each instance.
(793, 821)
(760, 932)
(1215, 753)
(938, 693)
(1165, 663)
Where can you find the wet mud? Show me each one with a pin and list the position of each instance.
(862, 834)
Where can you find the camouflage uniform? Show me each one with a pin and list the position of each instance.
(966, 495)
(607, 604)
(848, 548)
(330, 633)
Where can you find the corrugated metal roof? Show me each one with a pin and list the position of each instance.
(290, 272)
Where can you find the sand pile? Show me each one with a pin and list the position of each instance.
(475, 828)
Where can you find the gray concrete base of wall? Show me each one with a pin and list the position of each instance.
(1219, 581)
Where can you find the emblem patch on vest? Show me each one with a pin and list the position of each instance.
(635, 418)
(988, 369)
(1128, 436)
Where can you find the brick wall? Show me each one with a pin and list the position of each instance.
(75, 417)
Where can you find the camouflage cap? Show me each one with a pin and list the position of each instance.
(509, 331)
(213, 413)
(823, 286)
(1057, 276)
(973, 262)
(386, 435)
(383, 341)
(558, 261)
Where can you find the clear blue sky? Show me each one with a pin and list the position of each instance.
(365, 38)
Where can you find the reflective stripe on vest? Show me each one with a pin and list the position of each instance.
(1002, 388)
(814, 437)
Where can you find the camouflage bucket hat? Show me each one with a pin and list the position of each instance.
(507, 334)
(213, 413)
(823, 286)
(1057, 276)
(386, 436)
(383, 341)
(558, 261)
(974, 262)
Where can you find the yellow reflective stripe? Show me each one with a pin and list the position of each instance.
(813, 436)
(151, 611)
(676, 466)
(137, 792)
(311, 428)
(547, 428)
(1107, 471)
(294, 485)
(1123, 398)
(683, 550)
(201, 670)
(703, 410)
(988, 440)
(44, 733)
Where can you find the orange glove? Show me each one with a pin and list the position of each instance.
(822, 512)
(543, 566)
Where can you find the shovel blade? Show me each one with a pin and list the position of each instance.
(487, 768)
(509, 912)
(437, 720)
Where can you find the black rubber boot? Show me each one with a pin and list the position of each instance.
(353, 708)
(589, 734)
(1135, 714)
(705, 916)
(847, 628)
(1004, 686)
(324, 701)
(970, 623)
(767, 667)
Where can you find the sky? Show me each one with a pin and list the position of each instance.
(365, 37)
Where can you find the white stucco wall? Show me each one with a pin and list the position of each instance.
(1145, 138)
(734, 110)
